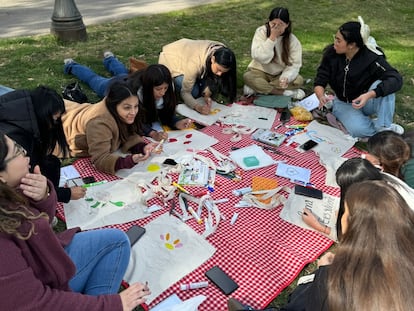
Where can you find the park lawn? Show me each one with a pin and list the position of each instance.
(26, 62)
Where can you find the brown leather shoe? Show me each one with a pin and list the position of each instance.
(235, 305)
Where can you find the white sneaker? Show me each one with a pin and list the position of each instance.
(248, 91)
(68, 61)
(108, 54)
(396, 128)
(296, 94)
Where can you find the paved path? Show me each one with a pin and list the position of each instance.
(33, 17)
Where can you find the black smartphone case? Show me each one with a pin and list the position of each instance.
(308, 145)
(285, 115)
(135, 233)
(309, 192)
(220, 278)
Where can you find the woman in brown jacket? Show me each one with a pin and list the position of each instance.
(101, 130)
(201, 69)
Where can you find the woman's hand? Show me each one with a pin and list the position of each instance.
(184, 124)
(77, 193)
(148, 148)
(310, 219)
(158, 135)
(134, 295)
(326, 259)
(34, 185)
(203, 109)
(277, 29)
(362, 99)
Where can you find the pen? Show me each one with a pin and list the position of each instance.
(156, 149)
(296, 126)
(192, 211)
(180, 188)
(94, 184)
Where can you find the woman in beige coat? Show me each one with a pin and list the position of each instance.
(201, 69)
(100, 130)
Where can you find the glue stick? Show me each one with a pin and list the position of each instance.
(193, 285)
(240, 192)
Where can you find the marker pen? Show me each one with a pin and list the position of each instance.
(94, 184)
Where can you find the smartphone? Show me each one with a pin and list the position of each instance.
(308, 145)
(309, 192)
(135, 233)
(221, 279)
(88, 179)
(285, 115)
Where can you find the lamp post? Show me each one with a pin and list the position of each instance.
(67, 22)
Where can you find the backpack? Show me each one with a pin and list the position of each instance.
(74, 93)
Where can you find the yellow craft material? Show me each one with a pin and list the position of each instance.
(263, 183)
(301, 114)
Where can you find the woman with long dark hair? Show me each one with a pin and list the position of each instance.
(155, 89)
(276, 58)
(33, 119)
(100, 130)
(71, 270)
(201, 69)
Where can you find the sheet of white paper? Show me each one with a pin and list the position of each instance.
(167, 303)
(325, 209)
(168, 251)
(150, 167)
(179, 141)
(330, 140)
(250, 116)
(309, 103)
(66, 173)
(110, 203)
(253, 151)
(217, 111)
(293, 172)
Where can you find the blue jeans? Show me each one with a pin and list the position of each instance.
(197, 90)
(5, 89)
(101, 258)
(96, 82)
(358, 122)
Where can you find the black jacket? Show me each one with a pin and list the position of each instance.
(364, 69)
(18, 121)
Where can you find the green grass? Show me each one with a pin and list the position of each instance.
(27, 62)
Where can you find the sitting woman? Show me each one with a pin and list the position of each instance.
(155, 90)
(352, 171)
(69, 271)
(201, 69)
(32, 119)
(100, 130)
(363, 81)
(373, 268)
(390, 152)
(375, 256)
(276, 59)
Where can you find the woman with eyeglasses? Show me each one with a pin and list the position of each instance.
(276, 58)
(202, 70)
(42, 270)
(103, 129)
(363, 81)
(32, 119)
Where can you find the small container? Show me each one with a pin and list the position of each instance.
(193, 285)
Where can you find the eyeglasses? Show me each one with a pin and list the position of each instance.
(18, 151)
